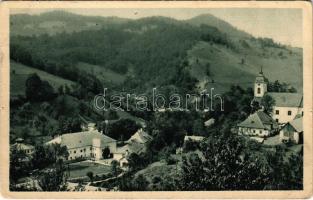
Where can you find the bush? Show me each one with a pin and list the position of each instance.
(190, 145)
(156, 179)
(170, 160)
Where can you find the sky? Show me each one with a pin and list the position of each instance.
(284, 25)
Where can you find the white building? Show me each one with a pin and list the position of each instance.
(287, 105)
(260, 85)
(258, 124)
(193, 138)
(87, 144)
(292, 131)
(20, 146)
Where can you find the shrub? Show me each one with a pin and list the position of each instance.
(170, 160)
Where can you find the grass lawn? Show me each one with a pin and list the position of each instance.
(18, 79)
(80, 169)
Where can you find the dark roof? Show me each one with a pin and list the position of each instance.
(287, 99)
(258, 120)
(261, 78)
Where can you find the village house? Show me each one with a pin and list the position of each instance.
(193, 138)
(292, 131)
(86, 144)
(20, 146)
(137, 143)
(258, 124)
(140, 137)
(287, 105)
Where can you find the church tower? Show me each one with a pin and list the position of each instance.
(260, 85)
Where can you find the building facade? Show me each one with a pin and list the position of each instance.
(292, 131)
(85, 145)
(258, 124)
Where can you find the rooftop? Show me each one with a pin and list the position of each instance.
(140, 137)
(297, 124)
(287, 99)
(81, 139)
(193, 138)
(258, 120)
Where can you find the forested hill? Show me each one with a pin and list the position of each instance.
(154, 52)
(225, 27)
(57, 22)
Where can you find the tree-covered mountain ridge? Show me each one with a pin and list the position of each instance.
(204, 51)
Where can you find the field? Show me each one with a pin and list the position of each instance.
(225, 64)
(20, 72)
(103, 74)
(80, 169)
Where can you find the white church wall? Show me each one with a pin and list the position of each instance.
(282, 116)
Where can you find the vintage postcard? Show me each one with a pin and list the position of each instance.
(156, 99)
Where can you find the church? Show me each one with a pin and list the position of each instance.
(287, 106)
(285, 118)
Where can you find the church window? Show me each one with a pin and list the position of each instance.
(289, 112)
(259, 90)
(277, 112)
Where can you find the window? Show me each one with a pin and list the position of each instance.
(84, 149)
(70, 158)
(74, 151)
(81, 150)
(259, 90)
(289, 112)
(277, 112)
(276, 120)
(90, 148)
(253, 131)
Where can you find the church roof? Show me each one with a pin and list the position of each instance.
(258, 120)
(287, 99)
(81, 139)
(261, 78)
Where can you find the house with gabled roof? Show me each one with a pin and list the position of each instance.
(140, 137)
(19, 145)
(258, 124)
(86, 144)
(292, 131)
